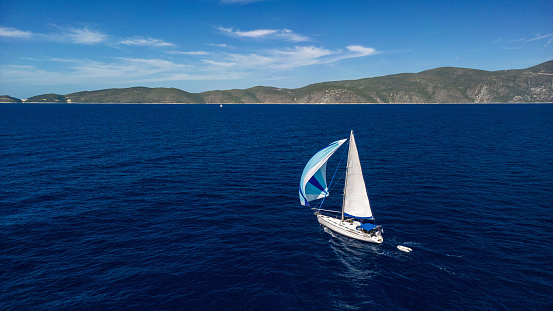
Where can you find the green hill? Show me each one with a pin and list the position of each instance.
(440, 85)
(446, 85)
(47, 98)
(9, 99)
(135, 95)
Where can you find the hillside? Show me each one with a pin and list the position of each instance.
(9, 99)
(440, 85)
(445, 85)
(135, 95)
(47, 98)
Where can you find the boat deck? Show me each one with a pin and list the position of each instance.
(348, 228)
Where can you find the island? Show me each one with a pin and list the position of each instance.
(440, 85)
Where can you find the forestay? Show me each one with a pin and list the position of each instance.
(313, 179)
(356, 200)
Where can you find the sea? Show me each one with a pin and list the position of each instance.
(196, 207)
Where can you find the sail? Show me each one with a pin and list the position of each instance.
(356, 200)
(313, 179)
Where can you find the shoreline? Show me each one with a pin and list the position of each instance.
(58, 103)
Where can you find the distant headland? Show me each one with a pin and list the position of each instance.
(440, 85)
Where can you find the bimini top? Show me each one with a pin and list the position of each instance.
(313, 179)
(367, 227)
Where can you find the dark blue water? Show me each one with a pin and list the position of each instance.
(195, 207)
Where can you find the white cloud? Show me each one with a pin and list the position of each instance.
(14, 33)
(73, 35)
(304, 52)
(119, 72)
(289, 35)
(289, 58)
(152, 62)
(248, 61)
(311, 55)
(195, 53)
(284, 34)
(141, 41)
(361, 50)
(221, 64)
(75, 71)
(216, 65)
(548, 36)
(539, 37)
(219, 45)
(248, 34)
(300, 56)
(83, 36)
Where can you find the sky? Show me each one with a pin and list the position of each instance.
(66, 46)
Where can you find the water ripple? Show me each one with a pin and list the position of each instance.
(171, 207)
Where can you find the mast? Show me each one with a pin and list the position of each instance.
(346, 179)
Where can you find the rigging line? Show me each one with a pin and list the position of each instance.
(318, 205)
(337, 181)
(337, 167)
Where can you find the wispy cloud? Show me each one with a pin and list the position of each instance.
(210, 66)
(195, 53)
(517, 40)
(299, 56)
(548, 37)
(283, 34)
(219, 45)
(540, 37)
(14, 33)
(75, 71)
(259, 33)
(141, 41)
(289, 35)
(360, 51)
(120, 71)
(60, 34)
(83, 36)
(219, 64)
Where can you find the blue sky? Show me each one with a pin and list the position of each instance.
(62, 46)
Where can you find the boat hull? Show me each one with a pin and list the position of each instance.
(349, 229)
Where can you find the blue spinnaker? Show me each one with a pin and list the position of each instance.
(313, 179)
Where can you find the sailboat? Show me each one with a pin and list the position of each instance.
(356, 215)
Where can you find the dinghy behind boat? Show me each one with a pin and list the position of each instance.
(404, 248)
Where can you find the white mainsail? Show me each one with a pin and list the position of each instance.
(356, 201)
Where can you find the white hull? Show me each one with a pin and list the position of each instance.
(404, 248)
(349, 229)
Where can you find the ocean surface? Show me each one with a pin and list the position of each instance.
(195, 207)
